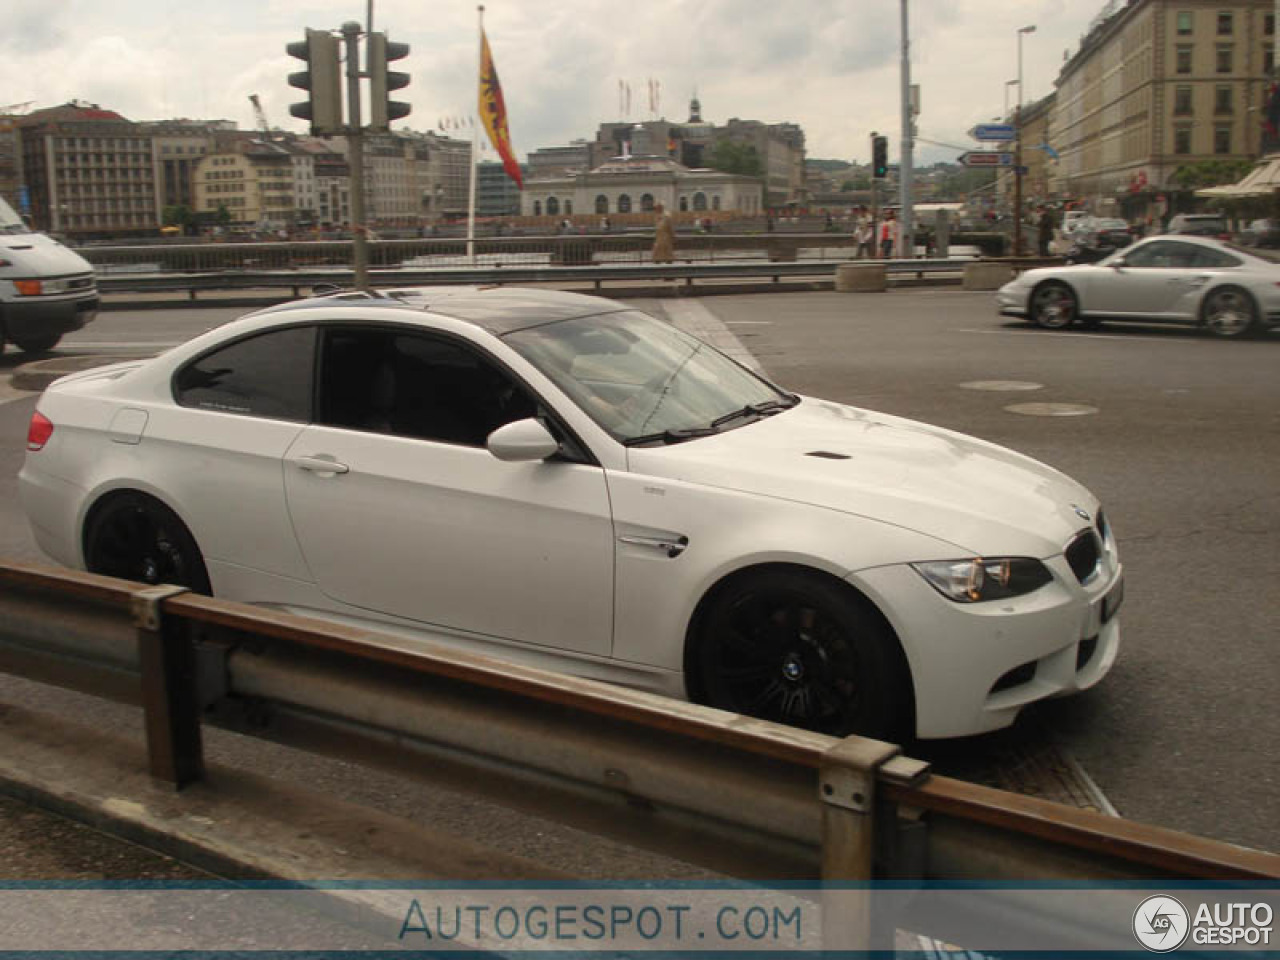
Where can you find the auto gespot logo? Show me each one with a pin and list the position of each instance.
(1161, 924)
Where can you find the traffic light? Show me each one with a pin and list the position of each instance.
(879, 157)
(322, 80)
(382, 81)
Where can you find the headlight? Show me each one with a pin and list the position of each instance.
(978, 579)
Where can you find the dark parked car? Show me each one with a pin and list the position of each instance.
(1261, 233)
(1200, 225)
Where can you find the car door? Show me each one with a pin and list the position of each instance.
(216, 452)
(399, 508)
(1149, 282)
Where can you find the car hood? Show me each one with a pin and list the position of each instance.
(35, 255)
(982, 498)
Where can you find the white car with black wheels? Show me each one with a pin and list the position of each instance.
(569, 483)
(1170, 279)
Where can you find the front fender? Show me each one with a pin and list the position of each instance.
(657, 593)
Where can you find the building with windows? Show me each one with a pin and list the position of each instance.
(1157, 85)
(88, 171)
(496, 194)
(780, 148)
(637, 185)
(252, 182)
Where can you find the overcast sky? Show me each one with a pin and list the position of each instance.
(831, 66)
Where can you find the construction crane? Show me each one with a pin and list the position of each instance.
(261, 115)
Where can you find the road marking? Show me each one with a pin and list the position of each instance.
(81, 345)
(748, 323)
(1072, 336)
(1002, 385)
(1053, 409)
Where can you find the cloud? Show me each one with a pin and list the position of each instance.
(831, 66)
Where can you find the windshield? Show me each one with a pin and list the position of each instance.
(10, 222)
(645, 381)
(1113, 225)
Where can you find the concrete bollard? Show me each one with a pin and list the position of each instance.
(986, 276)
(861, 278)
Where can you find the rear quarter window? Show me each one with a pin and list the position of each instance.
(266, 375)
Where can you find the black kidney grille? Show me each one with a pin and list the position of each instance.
(1083, 554)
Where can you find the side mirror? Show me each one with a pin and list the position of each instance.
(523, 440)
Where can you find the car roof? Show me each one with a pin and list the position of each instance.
(497, 310)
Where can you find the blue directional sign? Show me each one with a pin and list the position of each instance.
(994, 132)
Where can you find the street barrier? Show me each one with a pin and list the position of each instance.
(599, 258)
(744, 797)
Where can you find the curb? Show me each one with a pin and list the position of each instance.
(38, 374)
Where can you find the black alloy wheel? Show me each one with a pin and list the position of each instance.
(1053, 305)
(135, 537)
(1229, 312)
(793, 648)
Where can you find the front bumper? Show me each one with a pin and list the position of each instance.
(32, 316)
(975, 666)
(1011, 300)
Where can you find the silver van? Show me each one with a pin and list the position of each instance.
(46, 289)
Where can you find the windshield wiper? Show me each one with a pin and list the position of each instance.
(672, 436)
(764, 408)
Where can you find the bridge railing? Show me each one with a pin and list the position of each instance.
(744, 797)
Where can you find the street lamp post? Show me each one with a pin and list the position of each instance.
(1017, 151)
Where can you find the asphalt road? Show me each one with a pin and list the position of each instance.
(1182, 450)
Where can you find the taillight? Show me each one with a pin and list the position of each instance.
(39, 432)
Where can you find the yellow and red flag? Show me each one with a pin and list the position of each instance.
(493, 112)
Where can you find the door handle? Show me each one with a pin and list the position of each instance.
(321, 463)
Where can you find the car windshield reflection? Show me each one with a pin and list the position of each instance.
(644, 381)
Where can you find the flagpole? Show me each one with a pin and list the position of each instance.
(475, 132)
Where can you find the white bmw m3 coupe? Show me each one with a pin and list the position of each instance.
(565, 482)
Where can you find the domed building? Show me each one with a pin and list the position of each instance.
(637, 184)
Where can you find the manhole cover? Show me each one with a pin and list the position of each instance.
(1052, 409)
(1002, 385)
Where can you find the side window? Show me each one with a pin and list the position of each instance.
(1214, 259)
(1162, 253)
(409, 385)
(268, 375)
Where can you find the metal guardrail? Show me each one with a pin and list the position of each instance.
(741, 796)
(299, 280)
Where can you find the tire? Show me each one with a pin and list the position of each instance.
(1053, 306)
(37, 343)
(795, 647)
(136, 537)
(1228, 312)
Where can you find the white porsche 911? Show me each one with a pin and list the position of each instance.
(1173, 279)
(563, 481)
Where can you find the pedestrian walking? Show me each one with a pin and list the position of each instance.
(1044, 230)
(862, 236)
(888, 235)
(664, 236)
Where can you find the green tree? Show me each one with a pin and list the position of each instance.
(223, 216)
(740, 158)
(1210, 173)
(179, 215)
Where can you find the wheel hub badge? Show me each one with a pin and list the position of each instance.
(150, 570)
(793, 667)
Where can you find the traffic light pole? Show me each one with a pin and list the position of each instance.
(355, 157)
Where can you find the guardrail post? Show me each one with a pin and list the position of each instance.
(847, 789)
(170, 706)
